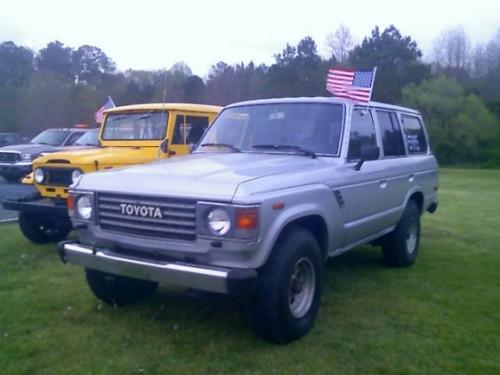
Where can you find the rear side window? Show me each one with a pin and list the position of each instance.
(362, 133)
(414, 133)
(392, 139)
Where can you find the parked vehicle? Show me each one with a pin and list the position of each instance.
(16, 160)
(7, 139)
(132, 134)
(272, 190)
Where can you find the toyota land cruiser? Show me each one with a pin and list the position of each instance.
(272, 190)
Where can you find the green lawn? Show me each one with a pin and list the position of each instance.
(440, 316)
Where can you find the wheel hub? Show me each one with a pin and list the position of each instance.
(302, 288)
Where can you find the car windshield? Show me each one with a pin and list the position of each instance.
(51, 137)
(90, 138)
(306, 128)
(135, 126)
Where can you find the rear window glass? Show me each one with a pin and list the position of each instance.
(392, 139)
(414, 133)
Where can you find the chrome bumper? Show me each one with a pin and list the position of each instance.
(212, 279)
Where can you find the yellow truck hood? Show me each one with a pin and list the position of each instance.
(104, 155)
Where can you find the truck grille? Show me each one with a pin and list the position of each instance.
(9, 157)
(58, 176)
(156, 217)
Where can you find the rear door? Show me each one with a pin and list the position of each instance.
(364, 191)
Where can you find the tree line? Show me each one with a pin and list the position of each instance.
(457, 89)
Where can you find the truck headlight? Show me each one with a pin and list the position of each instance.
(238, 222)
(84, 207)
(39, 175)
(75, 175)
(219, 222)
(25, 157)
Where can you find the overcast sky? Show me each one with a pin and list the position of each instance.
(149, 34)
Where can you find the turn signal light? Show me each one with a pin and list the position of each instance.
(247, 218)
(70, 202)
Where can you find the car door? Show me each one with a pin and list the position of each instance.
(399, 179)
(187, 131)
(363, 191)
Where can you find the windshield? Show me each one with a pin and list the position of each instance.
(135, 126)
(90, 138)
(51, 137)
(282, 127)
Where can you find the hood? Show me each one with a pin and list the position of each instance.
(104, 155)
(30, 148)
(214, 176)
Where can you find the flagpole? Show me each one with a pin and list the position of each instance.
(373, 83)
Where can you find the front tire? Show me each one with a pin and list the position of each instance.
(118, 290)
(289, 286)
(400, 247)
(42, 229)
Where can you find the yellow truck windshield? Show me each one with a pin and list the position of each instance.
(135, 126)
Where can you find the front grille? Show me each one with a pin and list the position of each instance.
(58, 176)
(9, 157)
(156, 217)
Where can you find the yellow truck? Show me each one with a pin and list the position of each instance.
(132, 134)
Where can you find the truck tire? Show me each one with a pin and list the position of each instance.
(118, 290)
(400, 247)
(42, 229)
(288, 289)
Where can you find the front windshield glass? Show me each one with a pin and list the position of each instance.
(135, 126)
(280, 127)
(90, 138)
(51, 137)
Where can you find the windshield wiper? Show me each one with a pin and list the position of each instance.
(297, 149)
(227, 145)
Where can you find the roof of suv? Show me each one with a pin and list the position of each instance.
(323, 99)
(166, 106)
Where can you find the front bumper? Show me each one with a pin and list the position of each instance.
(37, 205)
(19, 169)
(212, 279)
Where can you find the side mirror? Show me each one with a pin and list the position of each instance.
(368, 152)
(164, 146)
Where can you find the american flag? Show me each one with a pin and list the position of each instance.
(99, 115)
(353, 84)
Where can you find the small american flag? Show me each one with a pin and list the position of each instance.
(99, 115)
(353, 84)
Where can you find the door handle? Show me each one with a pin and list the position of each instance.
(411, 178)
(383, 184)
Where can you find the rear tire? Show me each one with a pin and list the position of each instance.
(42, 229)
(400, 247)
(289, 286)
(118, 290)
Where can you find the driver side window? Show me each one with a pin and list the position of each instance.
(189, 129)
(362, 133)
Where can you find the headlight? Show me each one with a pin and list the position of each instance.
(39, 175)
(25, 157)
(219, 222)
(84, 207)
(75, 175)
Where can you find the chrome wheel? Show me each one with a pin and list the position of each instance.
(301, 288)
(412, 236)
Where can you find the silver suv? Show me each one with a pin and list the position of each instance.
(272, 190)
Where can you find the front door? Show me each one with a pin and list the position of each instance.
(188, 129)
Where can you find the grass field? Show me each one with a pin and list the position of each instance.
(440, 316)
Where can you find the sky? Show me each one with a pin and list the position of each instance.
(149, 34)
